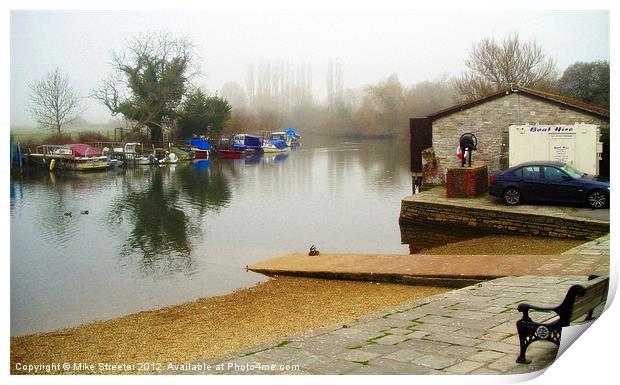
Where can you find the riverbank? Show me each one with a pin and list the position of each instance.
(505, 245)
(211, 327)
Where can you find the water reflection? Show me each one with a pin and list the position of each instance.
(161, 223)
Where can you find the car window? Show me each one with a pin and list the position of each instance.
(517, 173)
(531, 172)
(553, 174)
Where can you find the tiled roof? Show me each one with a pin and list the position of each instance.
(554, 98)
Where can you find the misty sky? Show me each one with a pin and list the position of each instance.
(416, 45)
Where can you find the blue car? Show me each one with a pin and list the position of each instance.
(548, 182)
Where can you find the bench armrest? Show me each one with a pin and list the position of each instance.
(563, 310)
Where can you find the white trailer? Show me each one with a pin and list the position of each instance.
(577, 145)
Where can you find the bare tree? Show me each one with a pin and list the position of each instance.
(149, 80)
(494, 65)
(55, 103)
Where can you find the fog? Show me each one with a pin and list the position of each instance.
(369, 45)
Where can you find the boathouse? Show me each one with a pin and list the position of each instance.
(434, 139)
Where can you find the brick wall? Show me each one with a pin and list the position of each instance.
(416, 212)
(490, 121)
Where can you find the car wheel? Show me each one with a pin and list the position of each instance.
(597, 199)
(512, 196)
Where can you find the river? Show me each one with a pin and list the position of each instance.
(159, 236)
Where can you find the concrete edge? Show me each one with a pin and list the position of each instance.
(418, 280)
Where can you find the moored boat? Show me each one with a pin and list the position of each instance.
(75, 156)
(170, 158)
(182, 154)
(247, 142)
(201, 147)
(275, 146)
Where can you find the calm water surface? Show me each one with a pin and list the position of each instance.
(157, 236)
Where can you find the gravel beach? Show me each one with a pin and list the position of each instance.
(211, 327)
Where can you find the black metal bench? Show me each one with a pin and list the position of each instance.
(580, 300)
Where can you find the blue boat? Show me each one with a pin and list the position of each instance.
(275, 146)
(201, 147)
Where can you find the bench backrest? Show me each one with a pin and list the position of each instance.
(596, 293)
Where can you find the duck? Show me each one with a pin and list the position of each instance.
(85, 212)
(68, 214)
(313, 251)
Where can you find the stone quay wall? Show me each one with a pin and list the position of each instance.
(500, 222)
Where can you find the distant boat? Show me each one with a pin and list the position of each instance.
(295, 137)
(229, 149)
(170, 158)
(289, 136)
(247, 142)
(182, 153)
(201, 147)
(275, 146)
(75, 156)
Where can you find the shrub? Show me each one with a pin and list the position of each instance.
(91, 137)
(58, 139)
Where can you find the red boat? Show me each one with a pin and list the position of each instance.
(200, 154)
(230, 154)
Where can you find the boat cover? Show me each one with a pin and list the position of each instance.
(290, 132)
(83, 150)
(278, 143)
(252, 141)
(199, 143)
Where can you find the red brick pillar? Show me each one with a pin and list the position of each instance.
(467, 182)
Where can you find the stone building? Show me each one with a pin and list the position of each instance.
(434, 139)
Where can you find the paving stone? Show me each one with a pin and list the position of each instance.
(312, 362)
(464, 367)
(486, 356)
(468, 314)
(356, 355)
(432, 328)
(404, 355)
(485, 371)
(434, 361)
(410, 315)
(380, 349)
(506, 327)
(499, 347)
(458, 351)
(390, 367)
(435, 319)
(336, 367)
(424, 345)
(471, 333)
(461, 323)
(399, 331)
(283, 355)
(374, 326)
(392, 339)
(507, 363)
(418, 334)
(453, 339)
(358, 332)
(325, 349)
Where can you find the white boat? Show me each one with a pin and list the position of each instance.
(274, 147)
(170, 158)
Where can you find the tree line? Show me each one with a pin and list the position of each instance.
(151, 87)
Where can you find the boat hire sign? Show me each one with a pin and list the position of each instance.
(552, 129)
